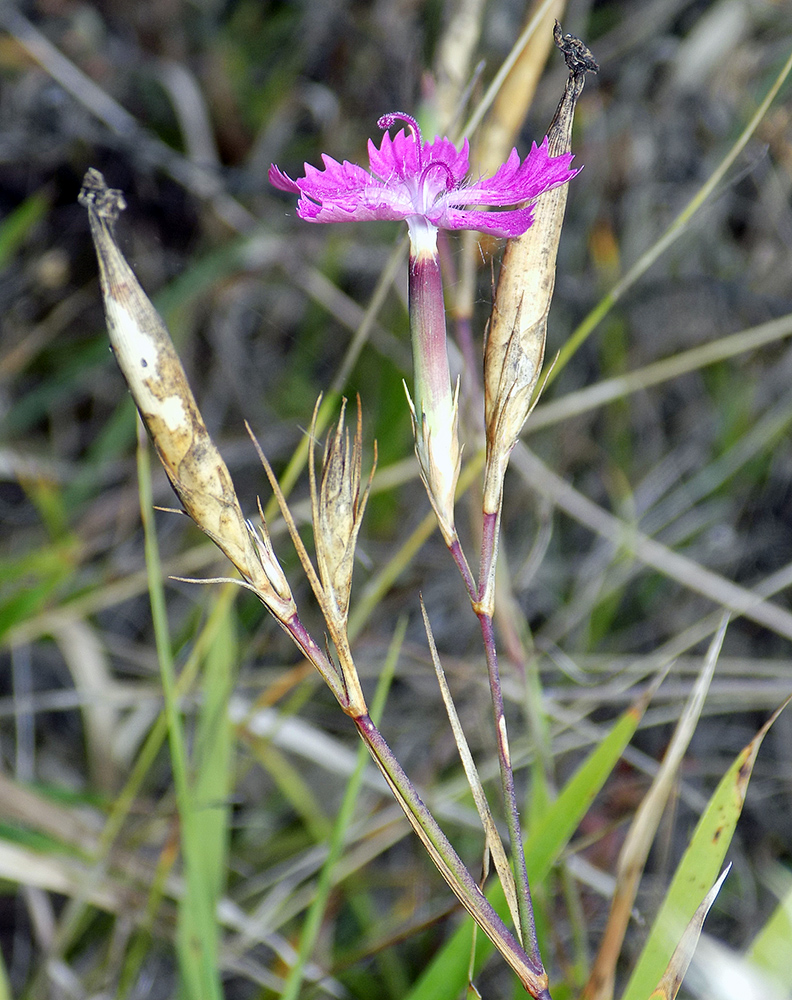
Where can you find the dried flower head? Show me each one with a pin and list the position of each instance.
(338, 505)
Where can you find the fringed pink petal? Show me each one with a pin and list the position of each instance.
(504, 225)
(517, 180)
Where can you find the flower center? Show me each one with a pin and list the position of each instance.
(427, 192)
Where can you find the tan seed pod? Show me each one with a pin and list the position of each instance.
(159, 387)
(515, 344)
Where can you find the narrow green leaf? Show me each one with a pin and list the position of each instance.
(5, 986)
(211, 766)
(447, 976)
(697, 870)
(769, 950)
(197, 934)
(29, 582)
(643, 828)
(554, 830)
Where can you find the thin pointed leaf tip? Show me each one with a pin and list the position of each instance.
(425, 183)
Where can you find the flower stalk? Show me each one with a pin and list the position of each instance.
(424, 184)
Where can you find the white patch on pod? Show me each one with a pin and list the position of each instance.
(138, 354)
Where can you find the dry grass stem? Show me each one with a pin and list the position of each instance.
(501, 128)
(690, 574)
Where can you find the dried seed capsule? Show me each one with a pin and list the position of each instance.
(156, 379)
(515, 344)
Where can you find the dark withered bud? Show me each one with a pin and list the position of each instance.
(515, 344)
(159, 387)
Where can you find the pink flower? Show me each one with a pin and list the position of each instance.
(424, 184)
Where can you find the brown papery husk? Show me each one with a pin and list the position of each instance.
(148, 360)
(515, 343)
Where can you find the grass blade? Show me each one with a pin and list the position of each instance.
(643, 828)
(769, 950)
(17, 225)
(198, 950)
(212, 769)
(697, 869)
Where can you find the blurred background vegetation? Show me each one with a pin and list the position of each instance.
(183, 105)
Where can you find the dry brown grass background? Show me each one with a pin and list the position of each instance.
(183, 106)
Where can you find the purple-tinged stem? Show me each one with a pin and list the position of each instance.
(445, 858)
(523, 891)
(464, 570)
(482, 607)
(316, 655)
(448, 862)
(485, 609)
